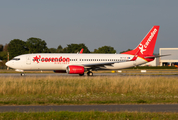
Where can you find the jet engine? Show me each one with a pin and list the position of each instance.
(74, 69)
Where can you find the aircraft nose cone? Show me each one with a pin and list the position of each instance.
(7, 64)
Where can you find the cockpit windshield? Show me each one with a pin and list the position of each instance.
(16, 59)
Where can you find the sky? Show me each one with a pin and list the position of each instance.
(121, 24)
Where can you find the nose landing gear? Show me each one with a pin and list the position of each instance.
(22, 74)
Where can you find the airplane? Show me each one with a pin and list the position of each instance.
(73, 63)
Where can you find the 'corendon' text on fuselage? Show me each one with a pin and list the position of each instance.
(51, 59)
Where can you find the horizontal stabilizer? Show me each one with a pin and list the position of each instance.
(156, 56)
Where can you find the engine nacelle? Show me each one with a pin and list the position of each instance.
(59, 71)
(74, 69)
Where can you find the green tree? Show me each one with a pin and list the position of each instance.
(59, 49)
(17, 47)
(36, 45)
(5, 48)
(1, 47)
(105, 49)
(52, 50)
(3, 55)
(74, 48)
(126, 50)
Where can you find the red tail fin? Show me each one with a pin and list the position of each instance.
(146, 47)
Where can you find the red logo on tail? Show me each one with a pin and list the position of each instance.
(141, 48)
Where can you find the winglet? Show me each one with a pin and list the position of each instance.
(81, 51)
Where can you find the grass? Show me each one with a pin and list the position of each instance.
(66, 115)
(87, 90)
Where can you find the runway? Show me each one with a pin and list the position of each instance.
(76, 75)
(104, 108)
(52, 74)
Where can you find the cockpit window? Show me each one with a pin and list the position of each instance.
(16, 59)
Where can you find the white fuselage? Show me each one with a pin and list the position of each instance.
(50, 61)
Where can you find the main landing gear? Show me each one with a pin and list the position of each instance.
(89, 73)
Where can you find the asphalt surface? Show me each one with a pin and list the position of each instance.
(76, 75)
(53, 74)
(104, 108)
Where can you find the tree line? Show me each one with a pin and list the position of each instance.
(36, 45)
